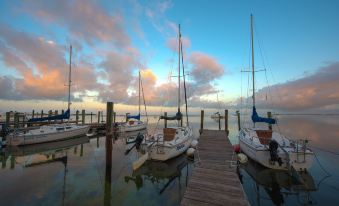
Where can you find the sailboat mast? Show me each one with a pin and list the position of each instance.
(179, 70)
(70, 77)
(139, 92)
(253, 72)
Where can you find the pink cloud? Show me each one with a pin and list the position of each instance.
(316, 90)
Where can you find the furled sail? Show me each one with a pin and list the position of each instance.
(178, 116)
(133, 117)
(65, 115)
(257, 118)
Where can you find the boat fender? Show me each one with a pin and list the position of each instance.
(273, 148)
(190, 152)
(236, 148)
(194, 143)
(139, 140)
(242, 158)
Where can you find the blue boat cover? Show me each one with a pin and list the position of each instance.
(133, 117)
(257, 118)
(55, 117)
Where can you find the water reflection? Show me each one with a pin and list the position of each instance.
(160, 174)
(278, 185)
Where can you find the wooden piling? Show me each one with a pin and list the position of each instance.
(91, 117)
(127, 117)
(12, 162)
(165, 120)
(8, 118)
(226, 121)
(219, 121)
(81, 150)
(77, 117)
(201, 121)
(109, 118)
(62, 112)
(98, 117)
(42, 114)
(114, 116)
(16, 120)
(56, 113)
(269, 115)
(49, 114)
(83, 114)
(33, 113)
(238, 115)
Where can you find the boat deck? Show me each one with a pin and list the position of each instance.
(214, 181)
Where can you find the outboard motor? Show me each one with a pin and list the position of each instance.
(273, 147)
(139, 140)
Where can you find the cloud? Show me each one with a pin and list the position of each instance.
(205, 68)
(83, 18)
(41, 66)
(317, 90)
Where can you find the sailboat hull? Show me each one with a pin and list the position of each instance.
(163, 151)
(48, 133)
(299, 160)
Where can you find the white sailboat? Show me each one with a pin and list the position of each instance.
(171, 142)
(270, 148)
(133, 122)
(49, 133)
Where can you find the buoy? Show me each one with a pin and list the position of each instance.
(236, 148)
(242, 158)
(190, 152)
(194, 143)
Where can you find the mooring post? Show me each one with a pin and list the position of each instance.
(219, 121)
(56, 113)
(127, 117)
(238, 115)
(98, 117)
(62, 112)
(226, 121)
(201, 121)
(114, 116)
(8, 118)
(42, 114)
(165, 120)
(49, 115)
(91, 117)
(269, 115)
(83, 114)
(12, 162)
(16, 120)
(77, 117)
(109, 118)
(33, 113)
(81, 150)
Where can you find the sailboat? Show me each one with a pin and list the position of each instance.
(133, 122)
(49, 133)
(270, 148)
(217, 115)
(173, 141)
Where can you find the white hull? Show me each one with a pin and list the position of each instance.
(298, 159)
(47, 134)
(163, 151)
(136, 126)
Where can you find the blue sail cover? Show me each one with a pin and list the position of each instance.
(133, 117)
(178, 116)
(257, 118)
(55, 117)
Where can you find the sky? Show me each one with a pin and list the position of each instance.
(296, 48)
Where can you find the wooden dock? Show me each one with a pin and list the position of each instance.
(214, 181)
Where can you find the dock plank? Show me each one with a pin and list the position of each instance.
(214, 181)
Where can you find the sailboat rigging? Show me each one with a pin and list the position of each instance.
(270, 148)
(48, 133)
(173, 141)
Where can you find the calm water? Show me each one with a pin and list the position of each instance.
(75, 171)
